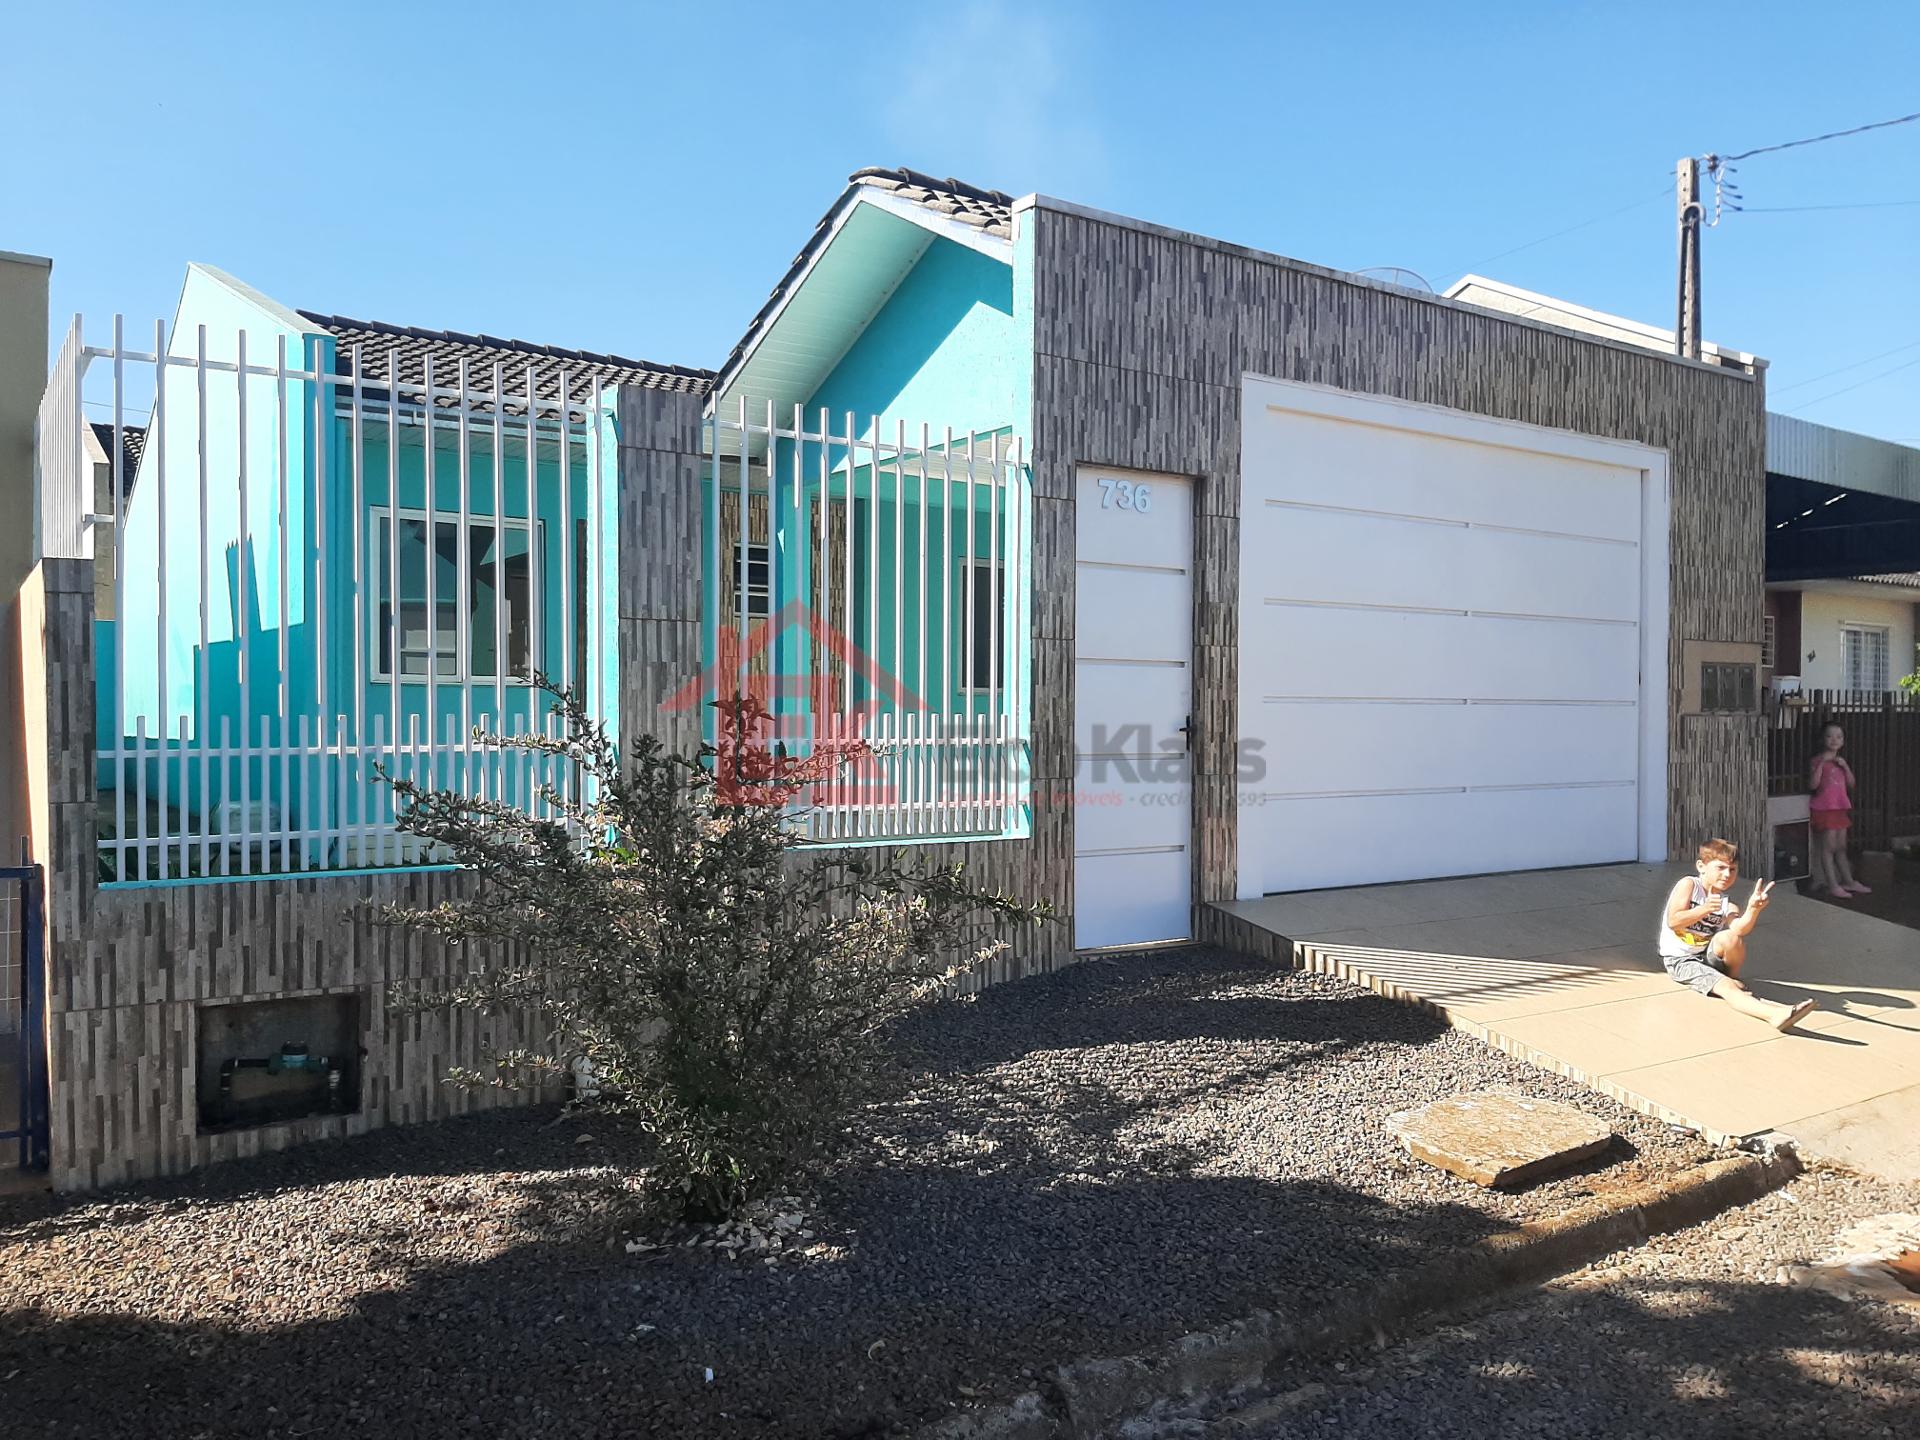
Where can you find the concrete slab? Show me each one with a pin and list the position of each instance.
(1559, 967)
(1878, 1135)
(1499, 1137)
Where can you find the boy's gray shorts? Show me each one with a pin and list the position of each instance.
(1695, 972)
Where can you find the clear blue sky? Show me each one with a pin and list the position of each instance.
(635, 177)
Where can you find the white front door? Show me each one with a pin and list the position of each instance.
(1133, 688)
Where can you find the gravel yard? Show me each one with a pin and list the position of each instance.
(1694, 1334)
(1087, 1163)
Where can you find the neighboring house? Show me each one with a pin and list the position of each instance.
(23, 375)
(1857, 634)
(99, 442)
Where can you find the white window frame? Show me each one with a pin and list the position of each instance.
(461, 673)
(1865, 629)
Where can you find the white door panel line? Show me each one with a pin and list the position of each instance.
(1320, 507)
(1293, 602)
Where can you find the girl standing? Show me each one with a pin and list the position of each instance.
(1830, 813)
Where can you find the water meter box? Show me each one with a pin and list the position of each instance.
(262, 1062)
(1792, 850)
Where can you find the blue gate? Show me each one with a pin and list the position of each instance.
(23, 1015)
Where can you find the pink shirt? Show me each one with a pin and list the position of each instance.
(1832, 794)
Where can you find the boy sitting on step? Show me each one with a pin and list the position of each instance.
(1703, 936)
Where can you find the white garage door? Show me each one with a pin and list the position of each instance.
(1444, 624)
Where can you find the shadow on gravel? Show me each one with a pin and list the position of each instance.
(1677, 1358)
(949, 1281)
(1091, 1163)
(1167, 997)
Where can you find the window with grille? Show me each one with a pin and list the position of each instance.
(1727, 688)
(1863, 661)
(499, 577)
(984, 638)
(759, 578)
(1766, 644)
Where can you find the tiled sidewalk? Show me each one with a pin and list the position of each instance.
(1558, 967)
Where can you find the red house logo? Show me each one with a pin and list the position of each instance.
(784, 683)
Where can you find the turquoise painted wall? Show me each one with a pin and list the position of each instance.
(161, 629)
(946, 350)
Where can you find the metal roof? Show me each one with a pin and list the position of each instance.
(988, 213)
(408, 347)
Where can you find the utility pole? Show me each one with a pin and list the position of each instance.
(1686, 331)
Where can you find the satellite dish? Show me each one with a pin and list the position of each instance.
(1397, 275)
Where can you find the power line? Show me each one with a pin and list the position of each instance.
(1828, 375)
(1783, 209)
(1664, 190)
(1848, 389)
(1817, 139)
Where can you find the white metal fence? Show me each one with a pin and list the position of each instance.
(317, 569)
(871, 590)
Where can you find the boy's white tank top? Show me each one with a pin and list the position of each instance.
(1681, 944)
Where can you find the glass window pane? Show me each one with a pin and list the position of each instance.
(519, 579)
(483, 641)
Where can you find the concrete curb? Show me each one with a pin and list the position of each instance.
(1087, 1399)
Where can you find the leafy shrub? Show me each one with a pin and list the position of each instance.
(730, 991)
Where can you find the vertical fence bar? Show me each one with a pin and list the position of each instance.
(741, 550)
(869, 817)
(530, 772)
(849, 647)
(321, 496)
(1018, 621)
(921, 624)
(157, 436)
(569, 551)
(225, 850)
(997, 583)
(280, 435)
(821, 704)
(967, 643)
(431, 509)
(199, 697)
(803, 642)
(119, 599)
(492, 769)
(950, 692)
(357, 518)
(395, 668)
(243, 588)
(463, 579)
(598, 561)
(139, 799)
(897, 661)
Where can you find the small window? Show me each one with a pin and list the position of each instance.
(759, 579)
(1863, 661)
(1727, 688)
(986, 634)
(1766, 644)
(499, 576)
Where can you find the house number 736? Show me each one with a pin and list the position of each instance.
(1126, 495)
